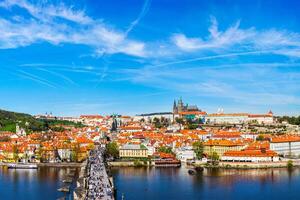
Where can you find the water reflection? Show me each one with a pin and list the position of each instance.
(31, 184)
(176, 183)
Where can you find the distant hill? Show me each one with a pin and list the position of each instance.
(291, 120)
(8, 121)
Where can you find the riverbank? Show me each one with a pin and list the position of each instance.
(68, 165)
(223, 165)
(250, 165)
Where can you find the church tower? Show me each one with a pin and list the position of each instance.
(180, 106)
(175, 111)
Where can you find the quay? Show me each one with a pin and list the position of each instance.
(22, 166)
(93, 182)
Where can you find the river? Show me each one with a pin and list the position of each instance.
(161, 184)
(177, 184)
(32, 184)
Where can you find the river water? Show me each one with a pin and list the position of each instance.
(161, 184)
(35, 184)
(177, 184)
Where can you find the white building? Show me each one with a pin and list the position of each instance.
(239, 118)
(261, 118)
(149, 117)
(91, 119)
(251, 136)
(64, 153)
(229, 118)
(185, 154)
(174, 127)
(151, 150)
(286, 145)
(250, 156)
(131, 129)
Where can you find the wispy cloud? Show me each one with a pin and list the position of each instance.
(47, 13)
(55, 24)
(243, 83)
(236, 39)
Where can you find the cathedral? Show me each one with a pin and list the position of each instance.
(180, 107)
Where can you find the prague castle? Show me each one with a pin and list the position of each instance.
(180, 107)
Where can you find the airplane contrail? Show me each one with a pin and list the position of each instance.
(143, 12)
(35, 78)
(58, 75)
(209, 58)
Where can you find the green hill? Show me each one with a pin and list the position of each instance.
(8, 121)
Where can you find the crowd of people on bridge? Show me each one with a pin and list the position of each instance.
(99, 187)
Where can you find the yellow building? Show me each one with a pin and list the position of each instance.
(222, 146)
(133, 151)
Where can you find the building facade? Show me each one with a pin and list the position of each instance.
(250, 156)
(239, 118)
(222, 146)
(133, 151)
(185, 154)
(286, 145)
(180, 107)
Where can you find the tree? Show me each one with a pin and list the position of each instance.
(179, 120)
(193, 126)
(198, 149)
(260, 138)
(215, 158)
(290, 164)
(165, 150)
(74, 153)
(112, 149)
(15, 153)
(157, 122)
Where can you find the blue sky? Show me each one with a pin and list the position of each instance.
(135, 56)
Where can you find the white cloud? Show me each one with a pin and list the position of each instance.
(187, 44)
(44, 26)
(236, 39)
(249, 83)
(45, 11)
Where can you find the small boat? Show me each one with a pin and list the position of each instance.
(199, 169)
(67, 180)
(64, 189)
(192, 171)
(22, 166)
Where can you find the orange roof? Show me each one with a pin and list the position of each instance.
(126, 117)
(83, 140)
(259, 145)
(259, 115)
(251, 153)
(226, 134)
(91, 116)
(192, 113)
(286, 138)
(163, 155)
(131, 128)
(223, 143)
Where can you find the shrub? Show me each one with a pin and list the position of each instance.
(290, 164)
(137, 163)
